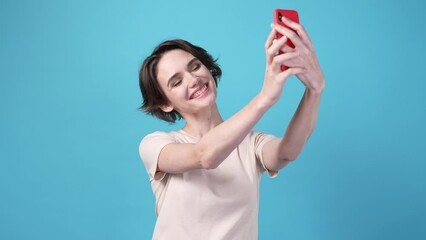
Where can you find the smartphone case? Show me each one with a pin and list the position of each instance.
(290, 14)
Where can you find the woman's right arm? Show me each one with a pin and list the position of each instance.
(215, 145)
(210, 151)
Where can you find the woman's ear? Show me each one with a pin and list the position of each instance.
(166, 108)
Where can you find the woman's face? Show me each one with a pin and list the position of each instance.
(186, 82)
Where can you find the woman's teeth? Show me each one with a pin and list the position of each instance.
(199, 92)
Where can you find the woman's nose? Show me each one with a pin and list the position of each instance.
(192, 80)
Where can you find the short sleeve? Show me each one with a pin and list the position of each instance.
(260, 140)
(149, 151)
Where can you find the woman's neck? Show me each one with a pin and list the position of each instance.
(199, 125)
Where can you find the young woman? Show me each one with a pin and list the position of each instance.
(205, 177)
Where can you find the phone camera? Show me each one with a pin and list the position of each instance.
(280, 17)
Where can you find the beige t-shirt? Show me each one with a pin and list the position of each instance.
(215, 204)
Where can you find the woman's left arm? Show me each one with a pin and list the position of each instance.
(279, 152)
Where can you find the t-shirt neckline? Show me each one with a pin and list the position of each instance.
(187, 134)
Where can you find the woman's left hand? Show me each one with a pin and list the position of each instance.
(312, 76)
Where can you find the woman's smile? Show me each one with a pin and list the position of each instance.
(200, 91)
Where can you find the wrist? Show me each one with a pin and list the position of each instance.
(262, 103)
(312, 96)
(314, 92)
(317, 91)
(317, 87)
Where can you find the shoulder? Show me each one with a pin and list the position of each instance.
(155, 138)
(156, 134)
(152, 144)
(160, 138)
(173, 136)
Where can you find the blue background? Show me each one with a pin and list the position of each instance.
(70, 127)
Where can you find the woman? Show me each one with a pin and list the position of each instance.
(205, 177)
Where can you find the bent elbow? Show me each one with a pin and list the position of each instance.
(204, 161)
(294, 153)
(287, 160)
(207, 163)
(291, 157)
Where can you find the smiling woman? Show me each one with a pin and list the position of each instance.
(205, 177)
(153, 95)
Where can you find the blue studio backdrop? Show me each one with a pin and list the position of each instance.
(70, 125)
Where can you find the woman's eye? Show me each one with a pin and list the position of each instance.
(196, 66)
(177, 83)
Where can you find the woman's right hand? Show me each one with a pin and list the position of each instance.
(274, 77)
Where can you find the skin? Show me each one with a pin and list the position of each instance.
(218, 138)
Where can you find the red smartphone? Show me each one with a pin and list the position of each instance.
(290, 14)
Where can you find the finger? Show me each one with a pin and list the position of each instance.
(287, 48)
(301, 31)
(290, 34)
(277, 44)
(289, 72)
(282, 59)
(270, 38)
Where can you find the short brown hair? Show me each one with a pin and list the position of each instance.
(153, 96)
